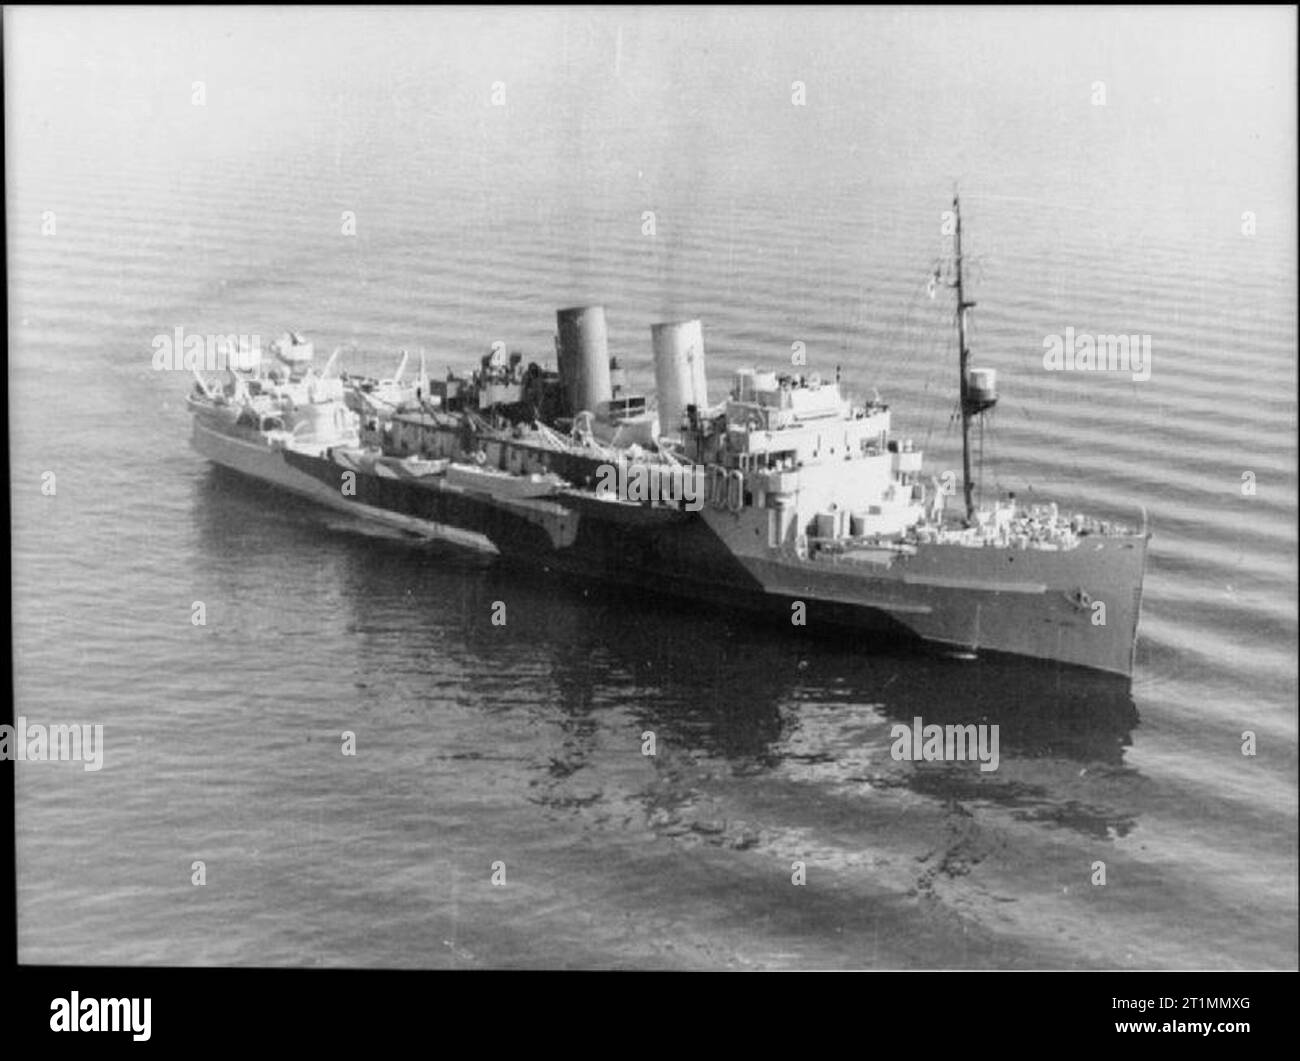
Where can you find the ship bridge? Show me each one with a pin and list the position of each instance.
(826, 465)
(795, 422)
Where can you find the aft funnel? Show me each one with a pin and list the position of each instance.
(582, 350)
(679, 371)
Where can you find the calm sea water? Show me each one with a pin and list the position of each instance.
(774, 223)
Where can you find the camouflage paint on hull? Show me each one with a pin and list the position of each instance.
(1078, 607)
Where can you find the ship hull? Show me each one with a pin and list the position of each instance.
(1077, 608)
(322, 483)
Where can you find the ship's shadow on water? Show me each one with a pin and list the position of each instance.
(785, 704)
(777, 703)
(703, 678)
(726, 678)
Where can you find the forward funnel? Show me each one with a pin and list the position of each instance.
(679, 371)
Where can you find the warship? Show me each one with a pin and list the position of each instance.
(785, 498)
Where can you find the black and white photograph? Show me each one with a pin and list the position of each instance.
(651, 488)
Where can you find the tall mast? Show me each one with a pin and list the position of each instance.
(967, 410)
